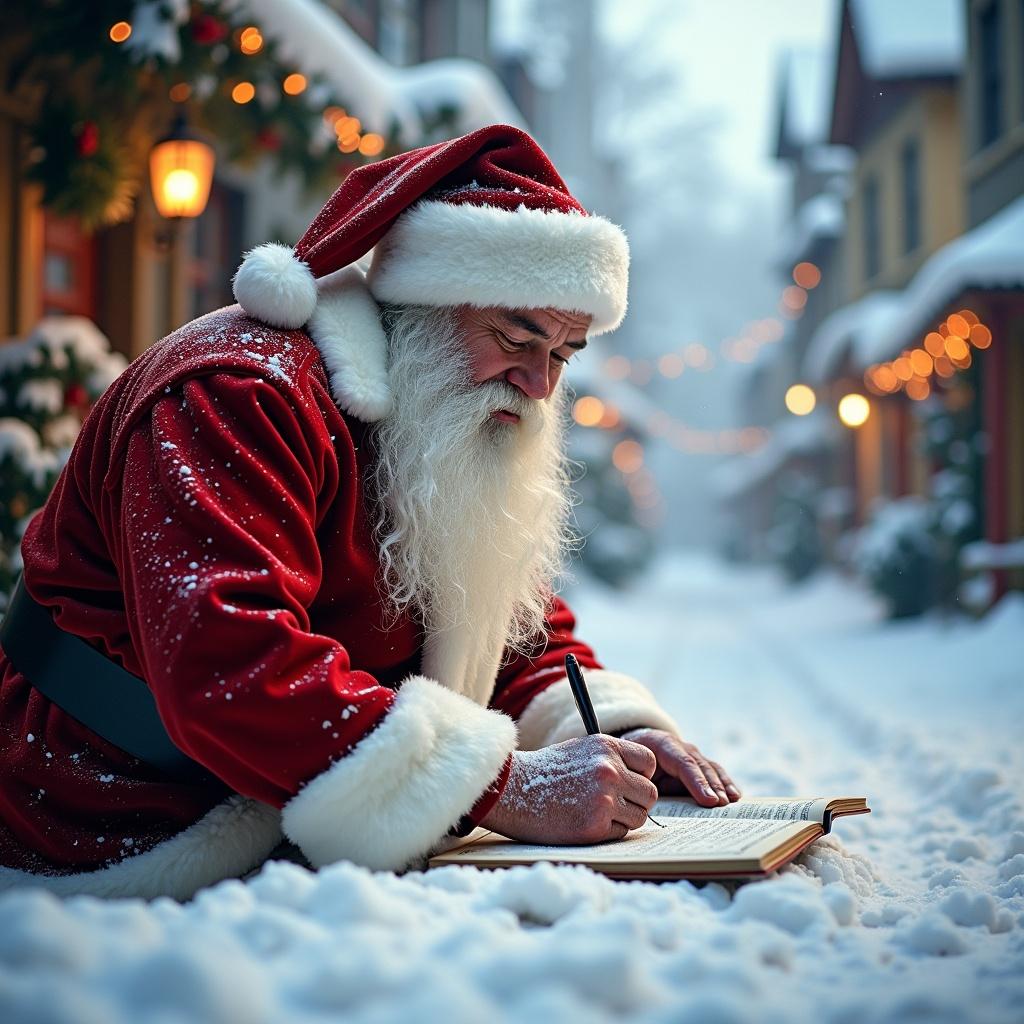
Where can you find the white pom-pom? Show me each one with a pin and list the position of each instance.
(275, 286)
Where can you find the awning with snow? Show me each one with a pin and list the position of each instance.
(319, 41)
(991, 256)
(848, 332)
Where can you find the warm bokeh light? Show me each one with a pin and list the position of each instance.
(120, 31)
(934, 343)
(616, 367)
(943, 367)
(243, 92)
(671, 365)
(902, 368)
(970, 316)
(628, 456)
(588, 410)
(794, 297)
(961, 362)
(250, 41)
(918, 389)
(807, 275)
(347, 125)
(958, 325)
(371, 144)
(179, 92)
(331, 115)
(885, 380)
(611, 417)
(800, 399)
(294, 84)
(921, 362)
(854, 410)
(695, 355)
(956, 347)
(348, 144)
(981, 336)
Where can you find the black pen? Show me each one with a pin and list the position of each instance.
(578, 685)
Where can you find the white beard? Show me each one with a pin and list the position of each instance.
(472, 521)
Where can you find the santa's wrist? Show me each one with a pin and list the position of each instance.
(486, 802)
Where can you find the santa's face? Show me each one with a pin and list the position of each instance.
(525, 348)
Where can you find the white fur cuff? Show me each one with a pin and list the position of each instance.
(619, 701)
(406, 784)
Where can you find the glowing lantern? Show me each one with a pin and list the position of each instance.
(854, 410)
(180, 173)
(800, 399)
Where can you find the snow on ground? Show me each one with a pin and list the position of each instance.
(915, 912)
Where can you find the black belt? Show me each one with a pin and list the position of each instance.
(90, 687)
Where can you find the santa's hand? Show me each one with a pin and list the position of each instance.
(587, 790)
(683, 769)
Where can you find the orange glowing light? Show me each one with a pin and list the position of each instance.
(981, 336)
(627, 456)
(610, 419)
(243, 92)
(616, 367)
(120, 31)
(180, 92)
(956, 347)
(695, 354)
(918, 389)
(348, 144)
(807, 275)
(371, 144)
(331, 115)
(921, 362)
(903, 368)
(934, 343)
(347, 125)
(294, 84)
(943, 367)
(885, 379)
(970, 316)
(943, 330)
(854, 410)
(958, 325)
(671, 365)
(587, 411)
(794, 297)
(251, 41)
(961, 362)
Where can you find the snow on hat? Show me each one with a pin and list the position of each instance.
(483, 219)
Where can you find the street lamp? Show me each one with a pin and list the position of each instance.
(180, 173)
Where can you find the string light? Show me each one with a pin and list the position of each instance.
(120, 31)
(800, 399)
(294, 84)
(243, 92)
(250, 41)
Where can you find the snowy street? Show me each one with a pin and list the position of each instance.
(915, 912)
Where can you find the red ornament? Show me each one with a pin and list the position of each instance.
(75, 396)
(88, 139)
(269, 139)
(207, 30)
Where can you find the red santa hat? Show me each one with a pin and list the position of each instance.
(484, 219)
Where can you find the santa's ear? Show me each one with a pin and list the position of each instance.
(275, 286)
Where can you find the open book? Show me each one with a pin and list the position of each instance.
(746, 839)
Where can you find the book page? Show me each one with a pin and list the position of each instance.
(677, 841)
(769, 807)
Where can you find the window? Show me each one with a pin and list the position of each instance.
(911, 167)
(872, 241)
(990, 75)
(68, 270)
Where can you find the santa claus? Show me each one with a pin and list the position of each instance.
(317, 532)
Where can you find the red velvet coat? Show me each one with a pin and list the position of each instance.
(210, 534)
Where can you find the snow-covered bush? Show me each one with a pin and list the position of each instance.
(48, 382)
(897, 553)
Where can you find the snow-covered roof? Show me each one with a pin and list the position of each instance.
(851, 327)
(319, 41)
(909, 38)
(791, 436)
(822, 216)
(989, 256)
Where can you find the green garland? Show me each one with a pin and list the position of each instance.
(96, 107)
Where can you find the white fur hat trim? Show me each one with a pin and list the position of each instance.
(275, 286)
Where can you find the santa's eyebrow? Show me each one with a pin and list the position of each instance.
(526, 324)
